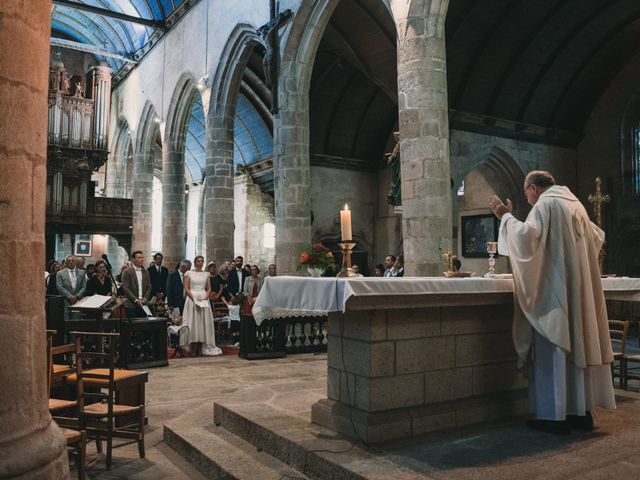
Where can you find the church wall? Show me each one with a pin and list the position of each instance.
(331, 188)
(388, 226)
(252, 211)
(470, 150)
(600, 154)
(184, 49)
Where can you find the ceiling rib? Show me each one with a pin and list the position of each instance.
(160, 25)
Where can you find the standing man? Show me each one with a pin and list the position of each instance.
(71, 282)
(159, 275)
(175, 286)
(394, 267)
(560, 325)
(136, 285)
(235, 283)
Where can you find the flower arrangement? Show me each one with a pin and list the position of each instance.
(316, 255)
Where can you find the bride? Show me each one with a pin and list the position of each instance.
(197, 311)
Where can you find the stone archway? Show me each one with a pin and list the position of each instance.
(143, 174)
(118, 178)
(218, 190)
(173, 170)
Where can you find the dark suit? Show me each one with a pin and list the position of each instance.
(52, 286)
(175, 291)
(131, 291)
(63, 283)
(158, 280)
(233, 284)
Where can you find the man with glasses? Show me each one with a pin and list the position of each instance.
(560, 326)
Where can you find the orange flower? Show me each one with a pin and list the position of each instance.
(304, 258)
(329, 254)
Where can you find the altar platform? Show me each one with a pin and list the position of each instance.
(410, 356)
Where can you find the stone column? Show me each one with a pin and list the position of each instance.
(292, 172)
(173, 202)
(142, 200)
(31, 444)
(424, 135)
(218, 195)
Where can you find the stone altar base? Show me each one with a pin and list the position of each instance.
(395, 373)
(264, 432)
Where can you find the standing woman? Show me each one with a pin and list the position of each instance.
(251, 290)
(99, 283)
(197, 311)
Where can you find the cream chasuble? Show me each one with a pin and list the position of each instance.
(557, 286)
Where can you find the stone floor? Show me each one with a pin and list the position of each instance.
(506, 450)
(187, 384)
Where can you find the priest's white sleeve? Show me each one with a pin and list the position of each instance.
(503, 247)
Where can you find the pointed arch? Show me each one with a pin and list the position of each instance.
(218, 194)
(228, 76)
(502, 173)
(143, 179)
(119, 175)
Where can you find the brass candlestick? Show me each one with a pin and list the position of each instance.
(346, 270)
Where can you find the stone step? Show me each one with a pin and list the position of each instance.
(316, 451)
(219, 454)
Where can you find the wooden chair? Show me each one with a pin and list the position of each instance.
(618, 330)
(105, 418)
(57, 405)
(76, 439)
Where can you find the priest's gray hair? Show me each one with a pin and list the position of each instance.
(185, 263)
(540, 178)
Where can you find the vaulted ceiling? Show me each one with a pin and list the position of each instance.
(353, 93)
(116, 36)
(539, 62)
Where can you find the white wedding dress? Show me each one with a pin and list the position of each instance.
(197, 315)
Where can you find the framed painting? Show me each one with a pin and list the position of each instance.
(83, 248)
(477, 230)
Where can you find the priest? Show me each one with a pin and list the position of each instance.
(560, 327)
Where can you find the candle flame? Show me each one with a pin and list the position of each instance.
(346, 207)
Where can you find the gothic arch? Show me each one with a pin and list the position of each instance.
(119, 175)
(502, 173)
(181, 101)
(228, 75)
(143, 179)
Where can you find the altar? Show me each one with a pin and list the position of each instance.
(408, 356)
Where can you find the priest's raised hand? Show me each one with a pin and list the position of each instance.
(498, 208)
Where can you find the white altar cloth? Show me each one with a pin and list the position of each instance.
(284, 296)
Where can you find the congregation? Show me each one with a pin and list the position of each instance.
(190, 294)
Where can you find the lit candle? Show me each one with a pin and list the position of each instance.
(345, 222)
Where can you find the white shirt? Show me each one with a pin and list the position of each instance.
(239, 273)
(72, 277)
(139, 277)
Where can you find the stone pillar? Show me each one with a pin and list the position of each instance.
(173, 202)
(218, 195)
(100, 91)
(424, 136)
(142, 199)
(292, 173)
(31, 444)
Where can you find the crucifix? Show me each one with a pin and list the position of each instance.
(597, 199)
(269, 34)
